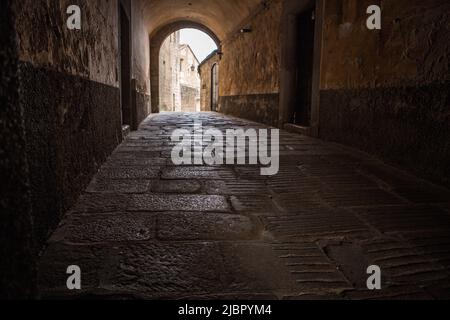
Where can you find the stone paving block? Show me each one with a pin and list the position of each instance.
(434, 244)
(119, 186)
(349, 183)
(390, 293)
(255, 267)
(176, 186)
(105, 228)
(402, 264)
(320, 223)
(312, 271)
(292, 202)
(145, 228)
(158, 270)
(246, 187)
(52, 272)
(151, 162)
(359, 198)
(326, 169)
(260, 205)
(142, 155)
(218, 187)
(384, 174)
(405, 218)
(199, 203)
(423, 194)
(102, 202)
(205, 226)
(194, 173)
(293, 182)
(129, 173)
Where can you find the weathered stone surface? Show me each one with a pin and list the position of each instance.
(176, 186)
(203, 232)
(129, 173)
(103, 185)
(109, 228)
(205, 226)
(153, 202)
(17, 252)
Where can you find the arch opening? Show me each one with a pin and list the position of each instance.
(175, 56)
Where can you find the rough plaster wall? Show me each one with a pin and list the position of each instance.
(45, 41)
(250, 63)
(412, 47)
(141, 48)
(17, 254)
(70, 97)
(386, 92)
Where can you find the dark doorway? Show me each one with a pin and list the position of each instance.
(305, 28)
(215, 87)
(125, 66)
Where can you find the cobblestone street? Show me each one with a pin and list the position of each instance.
(145, 228)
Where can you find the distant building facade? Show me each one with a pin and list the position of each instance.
(209, 82)
(179, 86)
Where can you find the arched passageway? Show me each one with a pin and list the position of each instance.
(175, 74)
(139, 224)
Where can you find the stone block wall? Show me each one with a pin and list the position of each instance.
(249, 69)
(386, 91)
(63, 104)
(17, 262)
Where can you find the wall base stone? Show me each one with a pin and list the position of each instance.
(408, 126)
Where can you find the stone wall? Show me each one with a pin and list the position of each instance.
(386, 92)
(141, 100)
(189, 98)
(71, 100)
(17, 262)
(169, 88)
(69, 92)
(179, 81)
(249, 69)
(205, 69)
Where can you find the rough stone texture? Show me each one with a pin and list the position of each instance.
(221, 232)
(257, 107)
(17, 252)
(249, 68)
(250, 63)
(45, 40)
(411, 48)
(405, 125)
(68, 137)
(385, 91)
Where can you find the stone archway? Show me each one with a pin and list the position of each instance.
(156, 40)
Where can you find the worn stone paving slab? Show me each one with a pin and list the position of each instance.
(102, 228)
(206, 226)
(405, 218)
(129, 173)
(102, 185)
(315, 223)
(147, 229)
(157, 202)
(176, 186)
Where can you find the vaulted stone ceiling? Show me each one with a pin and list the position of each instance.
(221, 16)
